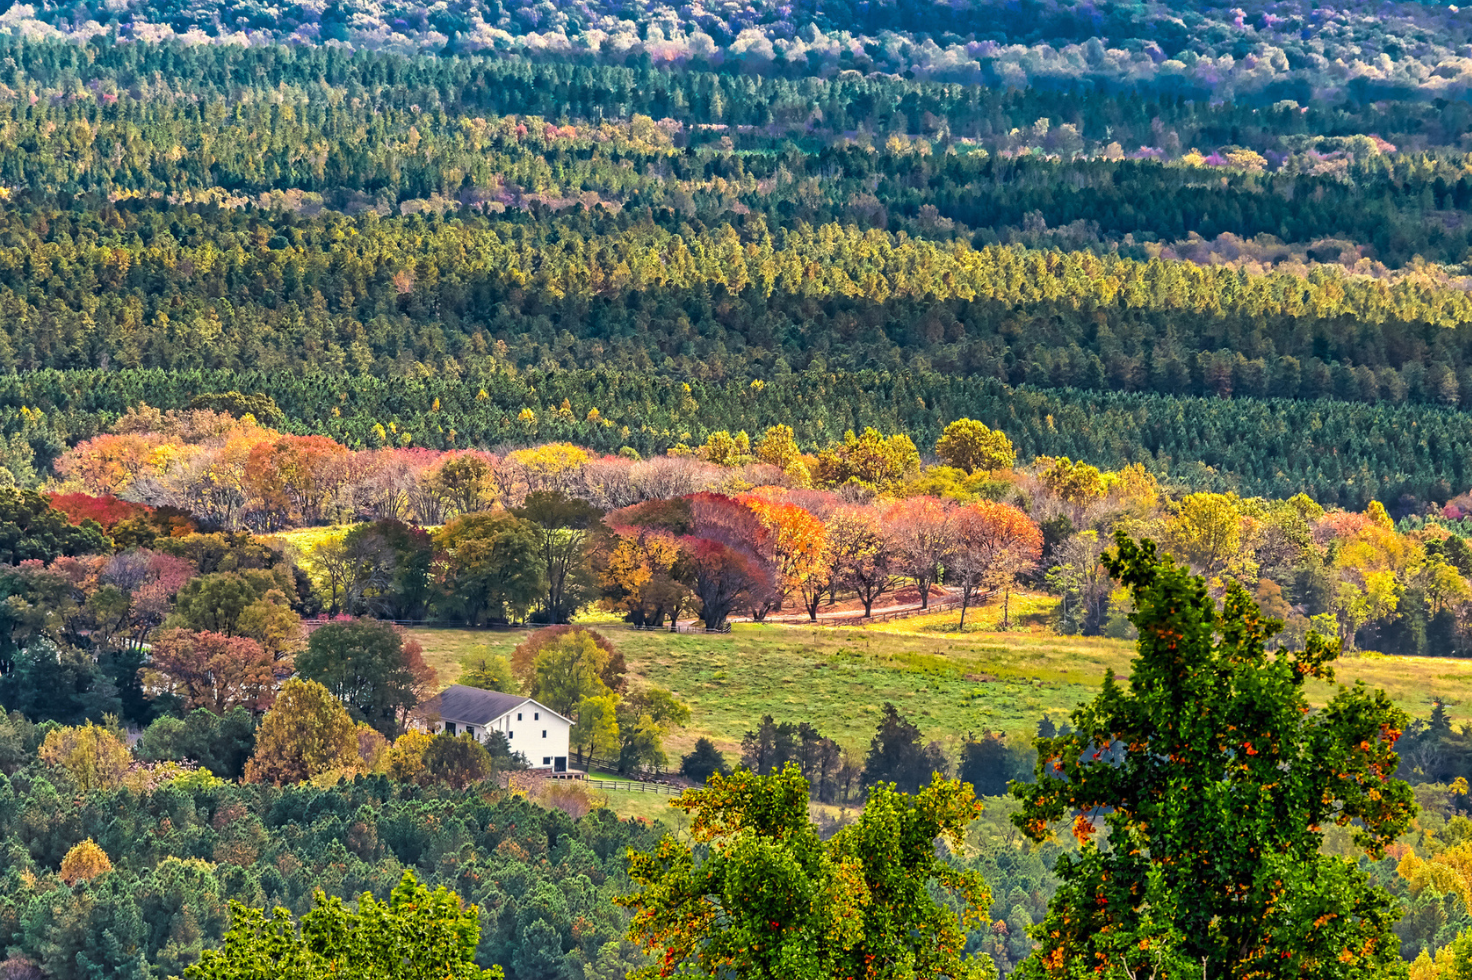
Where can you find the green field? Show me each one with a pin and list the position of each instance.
(948, 683)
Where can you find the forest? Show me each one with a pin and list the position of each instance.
(349, 351)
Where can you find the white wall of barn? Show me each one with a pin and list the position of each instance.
(538, 733)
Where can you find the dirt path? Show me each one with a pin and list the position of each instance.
(849, 609)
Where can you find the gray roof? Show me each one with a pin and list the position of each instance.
(471, 705)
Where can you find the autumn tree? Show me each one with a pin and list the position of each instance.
(641, 572)
(728, 557)
(875, 900)
(870, 460)
(404, 760)
(799, 548)
(778, 447)
(96, 756)
(84, 862)
(211, 670)
(296, 479)
(467, 482)
(528, 653)
(1076, 483)
(994, 544)
(721, 577)
(1205, 531)
(921, 533)
(306, 733)
(969, 445)
(1215, 782)
(863, 561)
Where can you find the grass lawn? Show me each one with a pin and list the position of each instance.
(839, 678)
(947, 682)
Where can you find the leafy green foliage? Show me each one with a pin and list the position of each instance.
(367, 666)
(1215, 782)
(491, 571)
(219, 743)
(791, 905)
(31, 529)
(416, 933)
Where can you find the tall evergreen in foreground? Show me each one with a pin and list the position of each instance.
(1215, 780)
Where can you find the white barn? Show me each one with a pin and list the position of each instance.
(541, 735)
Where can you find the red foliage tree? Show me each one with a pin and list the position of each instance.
(106, 510)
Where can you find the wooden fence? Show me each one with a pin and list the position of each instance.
(689, 627)
(634, 786)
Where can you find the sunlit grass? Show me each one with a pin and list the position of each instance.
(948, 683)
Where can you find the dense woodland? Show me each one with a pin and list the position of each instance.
(492, 312)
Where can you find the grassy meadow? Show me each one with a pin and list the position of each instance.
(947, 681)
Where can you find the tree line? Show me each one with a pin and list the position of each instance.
(1338, 453)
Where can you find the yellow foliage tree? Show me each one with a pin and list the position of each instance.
(970, 445)
(404, 761)
(778, 447)
(305, 734)
(96, 756)
(84, 862)
(1076, 483)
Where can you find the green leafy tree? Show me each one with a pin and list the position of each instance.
(219, 743)
(970, 445)
(368, 667)
(899, 755)
(596, 732)
(1215, 781)
(47, 682)
(415, 935)
(869, 459)
(458, 760)
(562, 524)
(766, 897)
(489, 672)
(491, 568)
(703, 761)
(644, 718)
(568, 670)
(30, 528)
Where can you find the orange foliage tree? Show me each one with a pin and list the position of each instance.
(994, 543)
(211, 670)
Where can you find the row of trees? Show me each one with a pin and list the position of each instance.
(898, 754)
(636, 286)
(1205, 52)
(755, 110)
(1337, 452)
(1335, 193)
(734, 526)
